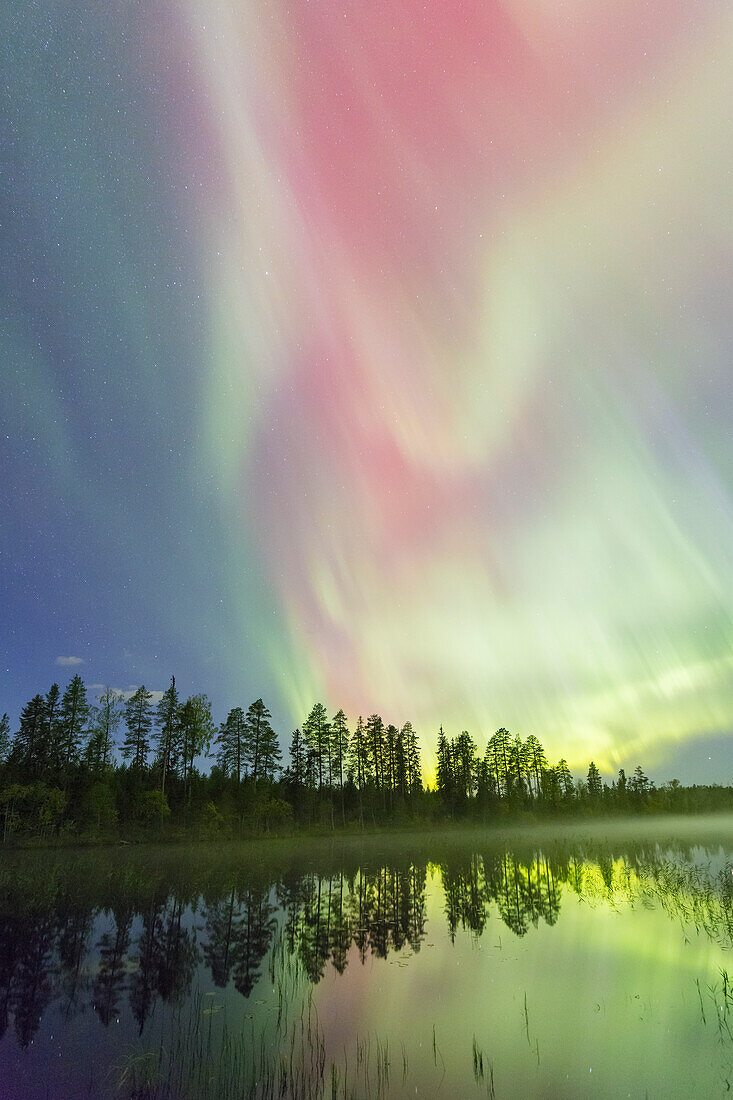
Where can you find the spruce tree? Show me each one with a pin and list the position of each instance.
(168, 720)
(29, 752)
(53, 734)
(518, 765)
(444, 768)
(4, 738)
(564, 778)
(139, 721)
(391, 734)
(297, 760)
(232, 753)
(358, 755)
(412, 759)
(73, 720)
(595, 784)
(639, 783)
(317, 732)
(264, 745)
(262, 749)
(465, 760)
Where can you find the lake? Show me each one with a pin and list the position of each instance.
(565, 962)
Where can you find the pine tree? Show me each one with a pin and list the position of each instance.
(232, 747)
(497, 759)
(375, 747)
(139, 721)
(168, 719)
(73, 719)
(536, 760)
(317, 733)
(391, 734)
(518, 765)
(339, 745)
(270, 753)
(263, 751)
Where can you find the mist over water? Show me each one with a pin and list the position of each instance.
(587, 961)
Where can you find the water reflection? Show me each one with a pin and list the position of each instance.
(111, 934)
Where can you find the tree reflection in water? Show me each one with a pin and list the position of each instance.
(94, 937)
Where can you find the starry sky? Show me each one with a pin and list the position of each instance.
(378, 353)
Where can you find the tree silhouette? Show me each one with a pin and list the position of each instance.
(30, 746)
(595, 784)
(220, 923)
(139, 721)
(4, 738)
(168, 719)
(262, 749)
(232, 742)
(316, 734)
(72, 721)
(252, 937)
(32, 986)
(105, 720)
(111, 977)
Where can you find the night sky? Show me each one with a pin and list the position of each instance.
(379, 354)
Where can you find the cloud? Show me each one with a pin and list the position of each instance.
(124, 693)
(66, 661)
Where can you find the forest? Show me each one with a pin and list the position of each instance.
(124, 768)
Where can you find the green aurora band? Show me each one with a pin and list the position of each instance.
(458, 369)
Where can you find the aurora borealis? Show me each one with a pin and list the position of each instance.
(378, 354)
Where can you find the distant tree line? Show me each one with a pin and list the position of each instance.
(514, 774)
(125, 763)
(122, 766)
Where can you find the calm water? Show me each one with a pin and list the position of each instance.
(591, 962)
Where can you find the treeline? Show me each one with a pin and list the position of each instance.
(515, 774)
(124, 767)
